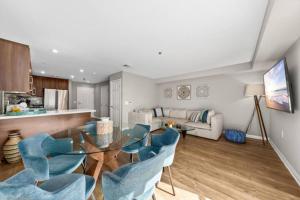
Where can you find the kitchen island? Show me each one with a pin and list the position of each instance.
(50, 122)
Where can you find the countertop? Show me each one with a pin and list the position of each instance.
(50, 113)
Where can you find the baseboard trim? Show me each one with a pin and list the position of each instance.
(257, 137)
(287, 164)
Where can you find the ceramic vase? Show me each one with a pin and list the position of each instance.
(11, 149)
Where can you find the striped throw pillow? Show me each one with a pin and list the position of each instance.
(194, 117)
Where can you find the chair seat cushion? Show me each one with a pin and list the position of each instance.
(199, 125)
(133, 148)
(64, 164)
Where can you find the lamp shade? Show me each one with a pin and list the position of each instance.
(255, 89)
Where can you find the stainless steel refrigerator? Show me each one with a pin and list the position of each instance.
(55, 99)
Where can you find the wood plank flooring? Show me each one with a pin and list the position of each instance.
(217, 170)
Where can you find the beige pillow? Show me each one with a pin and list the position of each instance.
(209, 115)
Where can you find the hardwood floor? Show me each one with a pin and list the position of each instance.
(217, 170)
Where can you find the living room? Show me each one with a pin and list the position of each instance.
(166, 100)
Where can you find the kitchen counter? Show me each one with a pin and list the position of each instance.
(51, 122)
(50, 113)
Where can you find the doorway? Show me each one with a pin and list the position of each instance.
(115, 102)
(104, 101)
(85, 98)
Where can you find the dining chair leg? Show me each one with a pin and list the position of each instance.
(171, 181)
(83, 167)
(93, 196)
(153, 197)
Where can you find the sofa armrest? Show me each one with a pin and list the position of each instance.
(217, 123)
(139, 118)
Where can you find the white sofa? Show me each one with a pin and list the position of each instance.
(211, 130)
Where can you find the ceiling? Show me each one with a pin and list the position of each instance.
(100, 36)
(280, 31)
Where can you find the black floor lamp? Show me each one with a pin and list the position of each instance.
(257, 91)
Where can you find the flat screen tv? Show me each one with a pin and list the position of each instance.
(278, 88)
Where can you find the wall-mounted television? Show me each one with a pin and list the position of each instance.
(278, 88)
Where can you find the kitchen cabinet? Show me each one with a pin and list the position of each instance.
(15, 66)
(40, 82)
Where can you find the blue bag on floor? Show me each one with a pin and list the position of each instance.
(235, 136)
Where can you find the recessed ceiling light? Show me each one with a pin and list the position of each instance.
(54, 51)
(126, 66)
(72, 76)
(43, 72)
(159, 53)
(81, 70)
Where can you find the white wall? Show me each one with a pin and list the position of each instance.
(289, 124)
(226, 95)
(138, 92)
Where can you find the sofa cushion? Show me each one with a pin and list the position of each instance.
(146, 111)
(166, 112)
(178, 114)
(199, 125)
(156, 120)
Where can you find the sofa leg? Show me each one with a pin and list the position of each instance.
(171, 181)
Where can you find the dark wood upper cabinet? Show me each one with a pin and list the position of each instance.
(15, 66)
(41, 82)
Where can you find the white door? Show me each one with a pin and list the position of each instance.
(104, 101)
(85, 98)
(115, 102)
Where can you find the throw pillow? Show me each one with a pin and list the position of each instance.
(166, 112)
(194, 117)
(210, 114)
(158, 112)
(203, 117)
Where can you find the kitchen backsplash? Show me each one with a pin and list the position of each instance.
(17, 98)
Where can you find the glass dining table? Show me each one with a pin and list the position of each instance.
(101, 149)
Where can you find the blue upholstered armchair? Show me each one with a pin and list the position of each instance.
(35, 150)
(66, 187)
(139, 131)
(134, 180)
(167, 142)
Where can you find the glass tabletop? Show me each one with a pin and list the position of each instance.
(86, 140)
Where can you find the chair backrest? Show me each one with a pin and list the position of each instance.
(140, 131)
(22, 186)
(137, 179)
(169, 140)
(33, 146)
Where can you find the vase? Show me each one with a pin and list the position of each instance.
(10, 147)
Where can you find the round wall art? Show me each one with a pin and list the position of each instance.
(184, 92)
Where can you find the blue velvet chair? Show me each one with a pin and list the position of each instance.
(134, 180)
(35, 150)
(138, 131)
(66, 187)
(167, 141)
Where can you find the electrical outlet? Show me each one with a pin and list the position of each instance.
(282, 133)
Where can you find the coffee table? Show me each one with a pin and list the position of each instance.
(182, 129)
